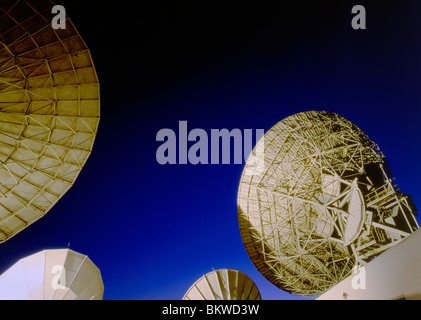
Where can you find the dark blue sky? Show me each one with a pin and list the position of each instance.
(153, 230)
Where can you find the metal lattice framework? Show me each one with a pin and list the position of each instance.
(49, 111)
(324, 202)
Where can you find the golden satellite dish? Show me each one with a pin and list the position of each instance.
(49, 111)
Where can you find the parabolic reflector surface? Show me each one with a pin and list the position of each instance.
(317, 199)
(49, 111)
(59, 274)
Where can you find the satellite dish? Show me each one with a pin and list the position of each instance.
(324, 202)
(61, 274)
(223, 284)
(49, 111)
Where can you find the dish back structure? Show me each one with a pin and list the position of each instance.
(49, 111)
(324, 202)
(223, 284)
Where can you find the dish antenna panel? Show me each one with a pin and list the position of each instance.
(61, 274)
(49, 111)
(324, 202)
(223, 284)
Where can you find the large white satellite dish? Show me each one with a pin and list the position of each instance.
(60, 274)
(324, 203)
(49, 111)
